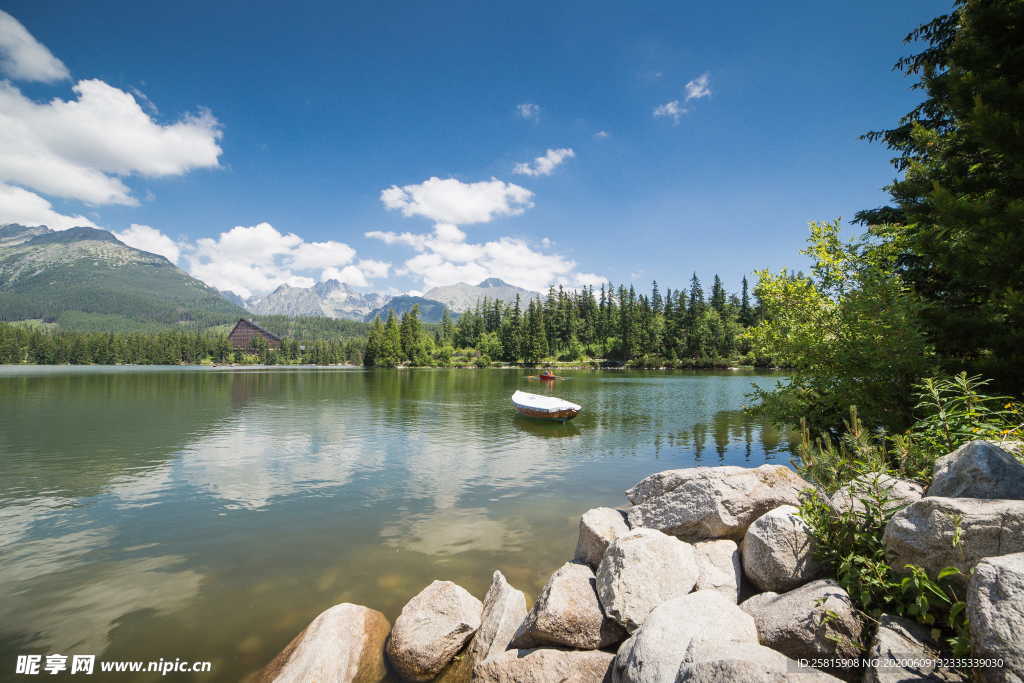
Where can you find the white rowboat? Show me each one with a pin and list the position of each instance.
(544, 407)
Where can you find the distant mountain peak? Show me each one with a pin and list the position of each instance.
(329, 299)
(461, 297)
(79, 234)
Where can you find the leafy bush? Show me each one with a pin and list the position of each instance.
(850, 333)
(849, 541)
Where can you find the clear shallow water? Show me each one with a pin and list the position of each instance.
(209, 514)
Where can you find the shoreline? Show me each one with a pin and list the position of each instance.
(708, 574)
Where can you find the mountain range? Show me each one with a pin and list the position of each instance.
(330, 299)
(333, 299)
(88, 279)
(462, 297)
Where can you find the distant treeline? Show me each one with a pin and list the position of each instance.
(677, 328)
(20, 343)
(681, 328)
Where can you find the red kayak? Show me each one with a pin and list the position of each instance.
(548, 375)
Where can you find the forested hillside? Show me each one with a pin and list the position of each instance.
(85, 278)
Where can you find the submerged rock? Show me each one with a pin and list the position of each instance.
(344, 643)
(545, 665)
(995, 608)
(778, 551)
(923, 534)
(598, 528)
(720, 568)
(655, 652)
(817, 619)
(640, 571)
(704, 503)
(431, 629)
(567, 613)
(978, 469)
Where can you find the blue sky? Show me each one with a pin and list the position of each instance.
(291, 121)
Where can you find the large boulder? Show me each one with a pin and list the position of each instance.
(640, 571)
(344, 643)
(598, 528)
(778, 551)
(903, 650)
(995, 608)
(876, 486)
(431, 629)
(567, 613)
(654, 653)
(816, 620)
(720, 567)
(923, 534)
(545, 665)
(712, 661)
(978, 469)
(703, 503)
(504, 610)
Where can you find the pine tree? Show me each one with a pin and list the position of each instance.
(718, 295)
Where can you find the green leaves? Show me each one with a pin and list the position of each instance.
(851, 334)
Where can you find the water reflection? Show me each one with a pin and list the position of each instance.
(220, 510)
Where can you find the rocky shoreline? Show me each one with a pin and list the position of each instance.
(709, 575)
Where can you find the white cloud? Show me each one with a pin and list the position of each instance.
(349, 275)
(671, 110)
(601, 135)
(445, 258)
(453, 201)
(27, 208)
(321, 255)
(22, 57)
(698, 87)
(372, 268)
(82, 148)
(528, 111)
(150, 239)
(545, 165)
(256, 259)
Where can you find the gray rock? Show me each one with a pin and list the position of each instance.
(640, 571)
(923, 533)
(995, 608)
(598, 528)
(814, 620)
(1012, 447)
(545, 665)
(344, 643)
(778, 551)
(978, 469)
(655, 652)
(431, 629)
(702, 503)
(504, 610)
(900, 492)
(903, 649)
(711, 661)
(567, 613)
(720, 568)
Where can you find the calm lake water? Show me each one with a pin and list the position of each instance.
(209, 514)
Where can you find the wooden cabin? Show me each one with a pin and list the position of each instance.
(245, 331)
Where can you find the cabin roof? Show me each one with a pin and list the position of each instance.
(243, 323)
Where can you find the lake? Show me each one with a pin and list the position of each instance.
(211, 513)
